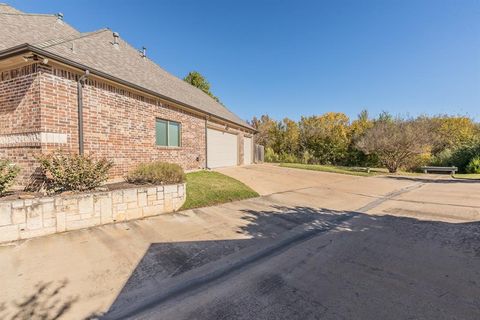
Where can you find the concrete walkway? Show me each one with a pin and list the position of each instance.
(135, 266)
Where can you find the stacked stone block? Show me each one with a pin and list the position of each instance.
(29, 218)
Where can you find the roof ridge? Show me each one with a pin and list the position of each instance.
(29, 14)
(174, 76)
(72, 38)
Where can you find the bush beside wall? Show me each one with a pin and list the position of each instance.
(156, 173)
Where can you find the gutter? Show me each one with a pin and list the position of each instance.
(27, 47)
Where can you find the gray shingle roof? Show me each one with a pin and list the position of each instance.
(18, 28)
(95, 50)
(5, 8)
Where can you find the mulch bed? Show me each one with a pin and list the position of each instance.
(20, 194)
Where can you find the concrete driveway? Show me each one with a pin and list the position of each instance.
(315, 245)
(425, 197)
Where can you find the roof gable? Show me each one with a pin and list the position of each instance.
(18, 28)
(97, 51)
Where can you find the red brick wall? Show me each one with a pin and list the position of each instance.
(118, 124)
(20, 117)
(19, 100)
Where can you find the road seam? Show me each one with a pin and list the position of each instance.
(371, 205)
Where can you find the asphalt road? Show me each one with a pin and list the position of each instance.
(308, 264)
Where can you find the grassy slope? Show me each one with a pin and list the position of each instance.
(467, 176)
(355, 172)
(207, 188)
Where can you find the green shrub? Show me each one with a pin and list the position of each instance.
(72, 172)
(306, 157)
(287, 158)
(270, 155)
(417, 162)
(462, 156)
(156, 173)
(8, 173)
(443, 158)
(474, 165)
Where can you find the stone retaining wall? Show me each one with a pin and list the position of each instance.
(28, 218)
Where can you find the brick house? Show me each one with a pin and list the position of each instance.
(53, 77)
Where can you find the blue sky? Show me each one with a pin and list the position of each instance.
(293, 58)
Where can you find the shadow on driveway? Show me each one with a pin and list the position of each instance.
(170, 270)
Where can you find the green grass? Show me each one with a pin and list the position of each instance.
(472, 176)
(334, 169)
(207, 188)
(357, 172)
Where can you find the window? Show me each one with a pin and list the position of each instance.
(167, 133)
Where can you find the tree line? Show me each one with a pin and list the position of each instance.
(394, 142)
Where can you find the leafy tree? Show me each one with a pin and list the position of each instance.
(326, 137)
(394, 142)
(358, 128)
(267, 130)
(397, 142)
(384, 116)
(290, 136)
(198, 80)
(452, 132)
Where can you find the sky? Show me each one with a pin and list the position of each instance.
(300, 58)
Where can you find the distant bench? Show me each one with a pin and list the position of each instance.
(361, 169)
(452, 170)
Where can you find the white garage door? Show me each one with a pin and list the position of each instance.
(247, 150)
(222, 149)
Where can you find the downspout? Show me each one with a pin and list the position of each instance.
(206, 143)
(80, 84)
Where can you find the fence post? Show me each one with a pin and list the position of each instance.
(259, 153)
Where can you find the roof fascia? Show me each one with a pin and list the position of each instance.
(29, 48)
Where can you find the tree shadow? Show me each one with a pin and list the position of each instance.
(164, 262)
(170, 269)
(46, 302)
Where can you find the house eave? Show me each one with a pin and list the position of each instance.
(23, 48)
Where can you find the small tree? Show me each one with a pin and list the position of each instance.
(8, 173)
(198, 80)
(326, 137)
(268, 132)
(396, 142)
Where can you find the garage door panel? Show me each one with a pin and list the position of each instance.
(247, 150)
(222, 149)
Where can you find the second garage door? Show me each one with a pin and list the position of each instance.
(222, 149)
(247, 150)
